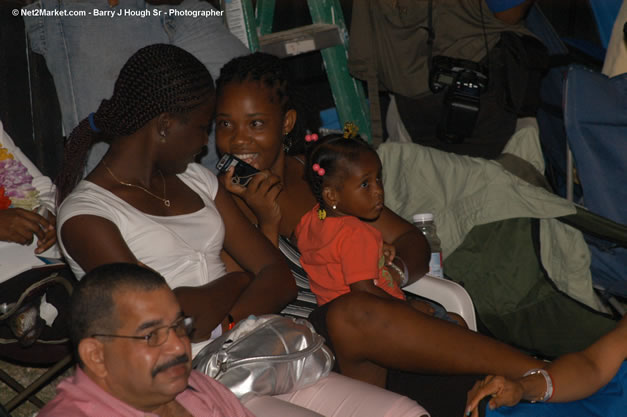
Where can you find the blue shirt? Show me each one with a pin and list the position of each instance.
(609, 401)
(500, 5)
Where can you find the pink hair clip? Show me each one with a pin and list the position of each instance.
(318, 169)
(311, 138)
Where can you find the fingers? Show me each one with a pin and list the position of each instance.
(52, 219)
(265, 183)
(389, 251)
(228, 183)
(34, 222)
(260, 195)
(502, 390)
(35, 218)
(50, 238)
(476, 394)
(21, 226)
(262, 191)
(26, 224)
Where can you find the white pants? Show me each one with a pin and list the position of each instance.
(337, 396)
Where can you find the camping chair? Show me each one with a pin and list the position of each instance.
(595, 118)
(582, 121)
(25, 338)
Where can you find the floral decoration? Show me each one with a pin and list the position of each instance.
(16, 189)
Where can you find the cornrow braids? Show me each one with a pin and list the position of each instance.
(330, 153)
(157, 79)
(273, 73)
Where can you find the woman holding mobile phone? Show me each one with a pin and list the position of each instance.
(257, 121)
(147, 201)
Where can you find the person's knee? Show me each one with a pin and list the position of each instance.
(356, 312)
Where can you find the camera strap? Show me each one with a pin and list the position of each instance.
(430, 33)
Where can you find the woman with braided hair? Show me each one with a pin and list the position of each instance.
(147, 202)
(256, 115)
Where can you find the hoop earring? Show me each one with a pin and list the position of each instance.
(287, 142)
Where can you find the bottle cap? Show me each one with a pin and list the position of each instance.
(423, 217)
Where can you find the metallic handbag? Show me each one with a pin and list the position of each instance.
(266, 355)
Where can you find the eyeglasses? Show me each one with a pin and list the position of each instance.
(182, 327)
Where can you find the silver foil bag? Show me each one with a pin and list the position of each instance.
(266, 355)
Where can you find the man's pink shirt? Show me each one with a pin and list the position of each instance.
(79, 396)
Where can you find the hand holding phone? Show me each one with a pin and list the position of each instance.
(260, 193)
(242, 173)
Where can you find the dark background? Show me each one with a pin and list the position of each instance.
(30, 111)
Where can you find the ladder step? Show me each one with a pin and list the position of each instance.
(300, 40)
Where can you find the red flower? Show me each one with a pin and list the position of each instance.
(5, 202)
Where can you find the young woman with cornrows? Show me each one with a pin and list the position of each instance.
(147, 202)
(257, 121)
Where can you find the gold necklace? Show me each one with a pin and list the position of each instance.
(165, 200)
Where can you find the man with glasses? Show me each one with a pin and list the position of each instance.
(134, 354)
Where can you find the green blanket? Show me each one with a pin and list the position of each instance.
(483, 214)
(498, 265)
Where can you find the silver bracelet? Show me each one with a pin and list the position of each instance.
(404, 275)
(405, 271)
(549, 383)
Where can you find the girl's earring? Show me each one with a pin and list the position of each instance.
(287, 142)
(334, 207)
(163, 134)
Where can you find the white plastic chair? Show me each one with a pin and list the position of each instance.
(453, 297)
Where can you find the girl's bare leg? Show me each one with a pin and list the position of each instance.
(370, 334)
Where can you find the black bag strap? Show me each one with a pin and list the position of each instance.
(430, 34)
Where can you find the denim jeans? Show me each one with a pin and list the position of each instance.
(85, 53)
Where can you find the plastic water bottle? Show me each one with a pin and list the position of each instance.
(424, 221)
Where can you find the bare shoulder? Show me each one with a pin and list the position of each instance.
(296, 198)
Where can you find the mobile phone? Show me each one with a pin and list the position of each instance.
(243, 172)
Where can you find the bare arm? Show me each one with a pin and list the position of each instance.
(575, 375)
(273, 285)
(260, 195)
(411, 245)
(594, 367)
(93, 241)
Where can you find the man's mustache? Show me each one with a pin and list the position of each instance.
(176, 361)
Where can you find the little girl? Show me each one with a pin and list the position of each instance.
(340, 251)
